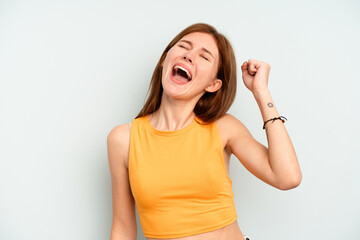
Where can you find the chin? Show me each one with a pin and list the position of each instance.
(173, 92)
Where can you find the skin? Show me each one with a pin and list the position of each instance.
(178, 101)
(276, 165)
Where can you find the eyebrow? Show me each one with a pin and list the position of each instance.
(204, 49)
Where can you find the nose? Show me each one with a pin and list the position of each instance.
(187, 59)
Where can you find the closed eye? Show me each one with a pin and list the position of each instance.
(182, 46)
(205, 58)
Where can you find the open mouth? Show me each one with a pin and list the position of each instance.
(181, 74)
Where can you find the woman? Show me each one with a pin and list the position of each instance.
(173, 159)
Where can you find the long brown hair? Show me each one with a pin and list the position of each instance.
(212, 105)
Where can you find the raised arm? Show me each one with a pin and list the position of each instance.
(278, 164)
(124, 218)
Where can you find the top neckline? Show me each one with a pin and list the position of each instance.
(171, 133)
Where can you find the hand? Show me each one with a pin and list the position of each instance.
(255, 74)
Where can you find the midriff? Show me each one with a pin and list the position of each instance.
(230, 232)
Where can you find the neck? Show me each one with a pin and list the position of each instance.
(173, 114)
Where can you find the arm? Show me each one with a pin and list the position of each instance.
(276, 165)
(281, 153)
(124, 218)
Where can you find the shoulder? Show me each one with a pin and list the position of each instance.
(229, 122)
(230, 127)
(119, 134)
(118, 141)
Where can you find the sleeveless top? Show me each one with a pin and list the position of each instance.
(178, 179)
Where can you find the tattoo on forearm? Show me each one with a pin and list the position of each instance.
(270, 105)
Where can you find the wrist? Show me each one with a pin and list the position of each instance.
(260, 92)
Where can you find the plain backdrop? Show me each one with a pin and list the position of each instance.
(71, 71)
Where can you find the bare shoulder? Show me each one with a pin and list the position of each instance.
(226, 119)
(119, 133)
(118, 141)
(229, 126)
(230, 123)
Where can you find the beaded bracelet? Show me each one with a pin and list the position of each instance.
(275, 118)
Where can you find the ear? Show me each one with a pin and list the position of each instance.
(214, 86)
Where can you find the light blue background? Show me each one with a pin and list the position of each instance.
(70, 71)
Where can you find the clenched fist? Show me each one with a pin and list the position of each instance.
(255, 74)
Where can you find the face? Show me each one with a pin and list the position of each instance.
(196, 57)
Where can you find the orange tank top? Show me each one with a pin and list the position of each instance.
(178, 179)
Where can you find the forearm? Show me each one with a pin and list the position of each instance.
(282, 156)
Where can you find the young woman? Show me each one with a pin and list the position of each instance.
(172, 160)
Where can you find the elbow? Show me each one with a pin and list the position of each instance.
(290, 184)
(123, 232)
(124, 235)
